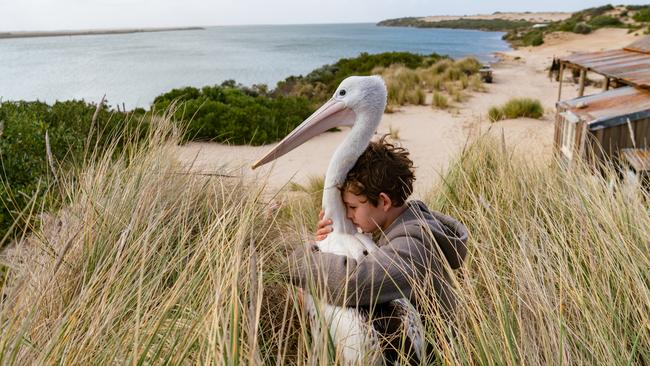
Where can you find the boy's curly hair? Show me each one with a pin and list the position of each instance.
(383, 167)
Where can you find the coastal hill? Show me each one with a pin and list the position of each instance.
(541, 17)
(529, 29)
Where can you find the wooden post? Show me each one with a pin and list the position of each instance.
(559, 90)
(606, 88)
(583, 75)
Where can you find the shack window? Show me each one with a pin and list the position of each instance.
(569, 121)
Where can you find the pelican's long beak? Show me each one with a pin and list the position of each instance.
(332, 114)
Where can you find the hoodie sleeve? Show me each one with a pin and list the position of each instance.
(451, 237)
(386, 274)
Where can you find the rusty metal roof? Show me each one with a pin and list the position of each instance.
(610, 108)
(631, 64)
(640, 45)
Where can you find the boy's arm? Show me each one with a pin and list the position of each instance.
(383, 275)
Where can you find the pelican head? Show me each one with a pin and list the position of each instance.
(355, 97)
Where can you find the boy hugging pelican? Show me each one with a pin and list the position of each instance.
(416, 246)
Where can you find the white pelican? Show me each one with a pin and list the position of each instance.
(358, 102)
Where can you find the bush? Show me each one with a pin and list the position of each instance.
(439, 101)
(515, 108)
(26, 174)
(642, 15)
(330, 76)
(537, 40)
(581, 28)
(468, 65)
(495, 114)
(230, 114)
(604, 21)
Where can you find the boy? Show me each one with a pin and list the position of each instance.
(413, 241)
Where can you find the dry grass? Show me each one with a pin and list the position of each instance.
(558, 270)
(407, 86)
(145, 265)
(515, 108)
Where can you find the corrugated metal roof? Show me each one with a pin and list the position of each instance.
(631, 67)
(630, 64)
(641, 45)
(610, 108)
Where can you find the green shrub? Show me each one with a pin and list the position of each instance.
(364, 64)
(26, 174)
(231, 114)
(495, 114)
(604, 21)
(582, 28)
(643, 15)
(515, 108)
(499, 25)
(537, 40)
(532, 38)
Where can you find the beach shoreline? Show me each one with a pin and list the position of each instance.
(90, 32)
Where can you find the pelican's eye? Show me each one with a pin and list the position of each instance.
(342, 93)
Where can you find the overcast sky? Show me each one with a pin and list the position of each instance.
(88, 14)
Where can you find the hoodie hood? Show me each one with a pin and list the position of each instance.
(418, 221)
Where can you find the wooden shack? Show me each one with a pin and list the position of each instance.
(613, 124)
(600, 126)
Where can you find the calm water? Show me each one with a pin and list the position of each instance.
(134, 68)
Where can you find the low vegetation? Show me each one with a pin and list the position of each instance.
(233, 114)
(581, 22)
(501, 25)
(319, 84)
(525, 33)
(140, 268)
(409, 86)
(515, 108)
(30, 165)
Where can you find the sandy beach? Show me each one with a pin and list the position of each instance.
(434, 137)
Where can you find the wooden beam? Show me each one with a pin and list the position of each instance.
(583, 76)
(606, 88)
(559, 90)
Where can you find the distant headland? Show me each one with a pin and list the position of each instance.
(90, 32)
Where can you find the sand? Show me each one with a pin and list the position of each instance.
(433, 137)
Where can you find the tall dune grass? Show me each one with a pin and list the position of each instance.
(146, 264)
(558, 272)
(515, 108)
(408, 86)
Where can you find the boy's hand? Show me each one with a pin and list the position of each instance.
(324, 227)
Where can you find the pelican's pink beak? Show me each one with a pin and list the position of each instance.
(332, 114)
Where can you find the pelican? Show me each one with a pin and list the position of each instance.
(358, 102)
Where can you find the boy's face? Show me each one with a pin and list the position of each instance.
(363, 214)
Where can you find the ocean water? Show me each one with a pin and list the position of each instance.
(134, 68)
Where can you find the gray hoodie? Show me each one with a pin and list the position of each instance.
(410, 253)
